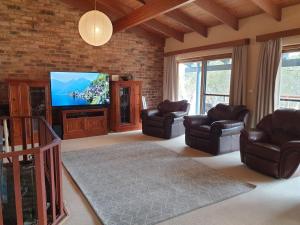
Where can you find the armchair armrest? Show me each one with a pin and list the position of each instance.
(290, 158)
(176, 114)
(148, 112)
(254, 135)
(227, 124)
(226, 127)
(195, 120)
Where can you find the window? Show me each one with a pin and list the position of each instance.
(289, 86)
(217, 83)
(189, 84)
(205, 83)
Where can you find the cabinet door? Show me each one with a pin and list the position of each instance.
(126, 101)
(14, 100)
(39, 98)
(126, 105)
(19, 99)
(18, 106)
(28, 99)
(24, 99)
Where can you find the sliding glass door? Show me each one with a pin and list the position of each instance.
(205, 83)
(217, 83)
(190, 84)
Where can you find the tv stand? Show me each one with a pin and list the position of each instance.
(79, 123)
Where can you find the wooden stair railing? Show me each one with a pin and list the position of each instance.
(41, 148)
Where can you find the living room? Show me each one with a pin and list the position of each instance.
(176, 112)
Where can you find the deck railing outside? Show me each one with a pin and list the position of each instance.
(31, 172)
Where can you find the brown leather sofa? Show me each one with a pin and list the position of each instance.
(166, 121)
(219, 131)
(274, 147)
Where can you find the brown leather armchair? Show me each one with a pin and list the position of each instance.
(274, 147)
(166, 121)
(219, 131)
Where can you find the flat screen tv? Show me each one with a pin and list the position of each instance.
(79, 89)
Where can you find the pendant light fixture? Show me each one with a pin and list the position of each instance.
(95, 28)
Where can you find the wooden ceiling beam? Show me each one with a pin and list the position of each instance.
(188, 21)
(152, 25)
(166, 30)
(218, 12)
(147, 12)
(121, 10)
(86, 5)
(185, 19)
(269, 7)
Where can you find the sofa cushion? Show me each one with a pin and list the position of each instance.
(279, 137)
(285, 126)
(168, 106)
(265, 151)
(226, 112)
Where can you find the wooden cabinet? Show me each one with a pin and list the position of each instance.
(125, 105)
(28, 98)
(84, 123)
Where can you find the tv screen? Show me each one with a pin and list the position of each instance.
(79, 88)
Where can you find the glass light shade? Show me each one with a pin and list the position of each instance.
(95, 28)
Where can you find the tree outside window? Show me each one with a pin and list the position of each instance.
(289, 86)
(205, 83)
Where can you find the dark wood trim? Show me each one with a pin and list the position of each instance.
(49, 149)
(269, 7)
(209, 57)
(17, 189)
(219, 12)
(240, 42)
(52, 184)
(40, 187)
(147, 12)
(291, 48)
(279, 34)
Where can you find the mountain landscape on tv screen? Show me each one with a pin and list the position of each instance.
(80, 91)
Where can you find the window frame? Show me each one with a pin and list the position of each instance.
(203, 60)
(287, 49)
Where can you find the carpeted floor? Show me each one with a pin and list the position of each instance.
(143, 183)
(272, 202)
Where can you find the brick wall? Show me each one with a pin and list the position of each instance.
(38, 36)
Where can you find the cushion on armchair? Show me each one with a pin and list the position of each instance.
(167, 106)
(226, 112)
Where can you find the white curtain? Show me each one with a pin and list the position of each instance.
(268, 64)
(238, 87)
(170, 79)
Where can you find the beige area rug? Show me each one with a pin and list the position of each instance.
(143, 183)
